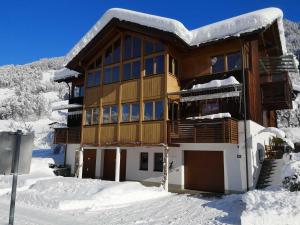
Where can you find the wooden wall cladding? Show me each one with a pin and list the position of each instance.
(130, 91)
(153, 132)
(92, 96)
(129, 132)
(108, 134)
(110, 93)
(90, 135)
(153, 87)
(172, 84)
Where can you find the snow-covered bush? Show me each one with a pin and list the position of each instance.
(291, 172)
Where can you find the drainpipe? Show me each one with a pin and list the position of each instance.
(245, 116)
(117, 166)
(80, 162)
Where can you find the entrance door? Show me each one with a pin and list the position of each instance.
(204, 171)
(89, 163)
(109, 168)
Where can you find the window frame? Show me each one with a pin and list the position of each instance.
(110, 114)
(130, 115)
(224, 63)
(227, 61)
(154, 102)
(93, 74)
(155, 169)
(154, 64)
(90, 111)
(146, 168)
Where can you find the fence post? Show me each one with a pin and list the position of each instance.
(14, 171)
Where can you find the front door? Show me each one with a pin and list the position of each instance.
(89, 163)
(109, 168)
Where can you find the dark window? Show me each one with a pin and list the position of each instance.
(91, 66)
(128, 47)
(108, 55)
(210, 108)
(144, 161)
(217, 64)
(148, 111)
(149, 66)
(158, 162)
(159, 46)
(78, 91)
(117, 51)
(234, 61)
(88, 117)
(159, 110)
(135, 112)
(136, 50)
(160, 66)
(125, 112)
(90, 79)
(106, 114)
(115, 74)
(149, 47)
(126, 71)
(107, 76)
(96, 116)
(98, 62)
(136, 69)
(97, 77)
(114, 114)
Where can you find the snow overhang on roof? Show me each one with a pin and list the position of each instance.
(64, 74)
(234, 26)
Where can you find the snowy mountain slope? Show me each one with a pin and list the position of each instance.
(26, 95)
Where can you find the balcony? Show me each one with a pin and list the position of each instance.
(223, 130)
(71, 135)
(277, 93)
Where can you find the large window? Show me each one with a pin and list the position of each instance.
(93, 78)
(152, 47)
(217, 64)
(212, 107)
(92, 116)
(158, 162)
(110, 114)
(131, 70)
(130, 112)
(78, 91)
(144, 161)
(234, 61)
(111, 74)
(112, 53)
(155, 65)
(132, 48)
(153, 110)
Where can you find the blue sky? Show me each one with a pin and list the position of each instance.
(34, 29)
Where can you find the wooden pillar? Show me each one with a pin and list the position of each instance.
(141, 93)
(165, 128)
(165, 181)
(118, 162)
(80, 162)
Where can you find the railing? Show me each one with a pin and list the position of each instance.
(203, 131)
(69, 135)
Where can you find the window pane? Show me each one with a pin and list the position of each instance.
(88, 117)
(234, 61)
(98, 62)
(149, 66)
(148, 49)
(158, 162)
(108, 56)
(136, 47)
(159, 110)
(136, 69)
(159, 47)
(107, 76)
(117, 50)
(217, 63)
(210, 108)
(127, 49)
(126, 71)
(144, 161)
(125, 112)
(135, 112)
(148, 114)
(115, 74)
(114, 114)
(90, 80)
(106, 110)
(96, 116)
(160, 66)
(97, 77)
(76, 91)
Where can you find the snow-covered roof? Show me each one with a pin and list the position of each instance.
(211, 116)
(64, 73)
(216, 83)
(234, 26)
(68, 106)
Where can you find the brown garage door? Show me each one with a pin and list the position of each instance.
(110, 164)
(204, 171)
(89, 163)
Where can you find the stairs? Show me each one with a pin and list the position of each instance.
(266, 172)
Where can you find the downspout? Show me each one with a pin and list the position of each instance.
(245, 116)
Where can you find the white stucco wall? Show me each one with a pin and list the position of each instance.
(70, 155)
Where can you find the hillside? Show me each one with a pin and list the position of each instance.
(26, 94)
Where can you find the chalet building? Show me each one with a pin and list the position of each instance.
(142, 86)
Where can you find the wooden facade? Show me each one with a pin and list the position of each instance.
(181, 66)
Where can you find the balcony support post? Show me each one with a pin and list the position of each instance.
(165, 180)
(117, 166)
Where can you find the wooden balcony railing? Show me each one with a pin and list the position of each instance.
(69, 135)
(203, 131)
